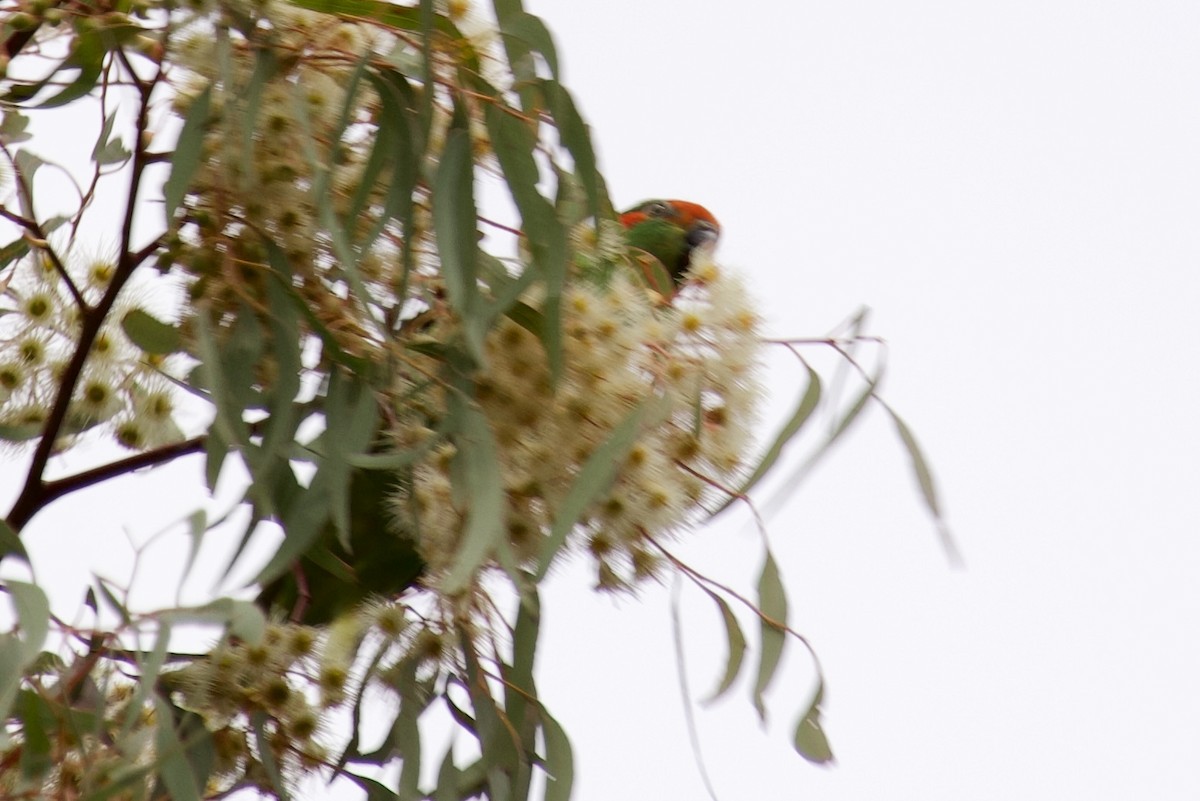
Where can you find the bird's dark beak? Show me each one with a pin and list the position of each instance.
(702, 234)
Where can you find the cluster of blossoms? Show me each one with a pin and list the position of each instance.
(121, 386)
(293, 680)
(290, 683)
(623, 348)
(273, 170)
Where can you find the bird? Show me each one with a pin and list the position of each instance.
(670, 231)
(330, 580)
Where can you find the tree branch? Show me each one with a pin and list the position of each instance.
(34, 495)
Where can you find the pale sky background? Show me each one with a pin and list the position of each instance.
(1015, 193)
(1014, 189)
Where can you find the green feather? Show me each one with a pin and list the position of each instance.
(382, 562)
(665, 241)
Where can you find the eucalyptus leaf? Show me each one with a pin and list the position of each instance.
(33, 614)
(804, 409)
(454, 225)
(560, 760)
(173, 767)
(150, 334)
(737, 646)
(485, 517)
(595, 477)
(772, 603)
(926, 483)
(10, 543)
(809, 739)
(187, 156)
(109, 149)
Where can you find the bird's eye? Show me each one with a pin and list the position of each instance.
(658, 209)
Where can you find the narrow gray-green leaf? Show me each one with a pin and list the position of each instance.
(840, 427)
(454, 226)
(173, 766)
(804, 409)
(533, 35)
(484, 490)
(267, 757)
(197, 527)
(187, 155)
(10, 543)
(447, 783)
(149, 664)
(560, 761)
(576, 137)
(27, 165)
(150, 334)
(737, 647)
(109, 149)
(809, 739)
(33, 614)
(772, 602)
(925, 481)
(594, 479)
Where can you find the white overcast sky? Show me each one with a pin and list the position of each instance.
(1014, 190)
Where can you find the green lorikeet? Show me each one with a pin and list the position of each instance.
(670, 230)
(328, 580)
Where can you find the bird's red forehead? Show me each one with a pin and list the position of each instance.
(691, 212)
(685, 214)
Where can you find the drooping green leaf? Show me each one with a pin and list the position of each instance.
(514, 144)
(925, 481)
(279, 428)
(523, 34)
(173, 767)
(150, 664)
(150, 334)
(14, 126)
(560, 761)
(351, 419)
(113, 601)
(244, 620)
(484, 490)
(33, 615)
(772, 603)
(267, 757)
(87, 55)
(197, 527)
(804, 409)
(737, 646)
(38, 723)
(454, 225)
(10, 543)
(10, 671)
(187, 156)
(249, 97)
(52, 224)
(499, 750)
(109, 149)
(575, 136)
(809, 739)
(13, 251)
(595, 477)
(406, 18)
(840, 427)
(27, 164)
(447, 782)
(224, 377)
